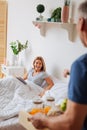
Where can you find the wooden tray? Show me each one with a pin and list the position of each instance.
(23, 116)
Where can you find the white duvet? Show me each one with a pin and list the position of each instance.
(15, 96)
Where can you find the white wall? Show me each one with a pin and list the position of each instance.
(55, 47)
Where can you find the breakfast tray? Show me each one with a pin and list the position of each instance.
(23, 120)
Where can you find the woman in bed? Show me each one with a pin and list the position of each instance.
(38, 75)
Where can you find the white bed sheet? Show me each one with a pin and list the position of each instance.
(15, 96)
(11, 124)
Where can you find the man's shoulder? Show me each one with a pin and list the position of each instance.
(79, 65)
(81, 60)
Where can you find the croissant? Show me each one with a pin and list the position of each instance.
(54, 112)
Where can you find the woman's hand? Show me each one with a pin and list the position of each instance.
(25, 75)
(66, 73)
(42, 93)
(50, 85)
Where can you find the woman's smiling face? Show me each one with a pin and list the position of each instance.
(38, 65)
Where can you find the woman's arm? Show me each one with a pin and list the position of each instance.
(49, 82)
(50, 85)
(25, 76)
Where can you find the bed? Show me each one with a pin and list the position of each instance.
(16, 96)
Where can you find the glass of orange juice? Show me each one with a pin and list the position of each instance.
(37, 106)
(46, 109)
(50, 102)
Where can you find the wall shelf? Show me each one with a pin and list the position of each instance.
(70, 27)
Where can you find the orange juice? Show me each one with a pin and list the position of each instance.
(46, 109)
(37, 106)
(36, 110)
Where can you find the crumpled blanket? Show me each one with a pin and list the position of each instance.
(16, 96)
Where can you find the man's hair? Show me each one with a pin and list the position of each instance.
(82, 10)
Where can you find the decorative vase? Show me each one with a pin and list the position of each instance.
(14, 60)
(65, 14)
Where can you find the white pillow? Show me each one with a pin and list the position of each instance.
(58, 91)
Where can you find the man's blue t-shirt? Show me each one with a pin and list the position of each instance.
(78, 83)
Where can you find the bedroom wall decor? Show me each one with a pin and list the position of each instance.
(17, 47)
(70, 27)
(65, 11)
(40, 9)
(56, 15)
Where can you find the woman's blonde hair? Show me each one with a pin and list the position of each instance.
(43, 63)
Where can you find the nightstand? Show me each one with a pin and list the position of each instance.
(12, 70)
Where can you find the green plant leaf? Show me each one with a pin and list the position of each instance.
(17, 46)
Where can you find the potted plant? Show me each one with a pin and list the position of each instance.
(66, 2)
(40, 9)
(65, 11)
(56, 15)
(17, 47)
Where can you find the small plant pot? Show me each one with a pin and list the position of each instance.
(41, 17)
(65, 14)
